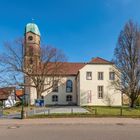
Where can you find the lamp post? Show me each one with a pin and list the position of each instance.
(22, 109)
(22, 104)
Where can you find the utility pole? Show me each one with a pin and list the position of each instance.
(23, 87)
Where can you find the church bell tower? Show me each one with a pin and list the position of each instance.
(31, 47)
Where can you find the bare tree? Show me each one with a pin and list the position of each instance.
(127, 60)
(108, 100)
(15, 71)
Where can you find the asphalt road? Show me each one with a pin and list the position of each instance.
(70, 132)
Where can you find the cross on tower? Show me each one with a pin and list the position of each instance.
(33, 20)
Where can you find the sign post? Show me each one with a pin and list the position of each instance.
(39, 102)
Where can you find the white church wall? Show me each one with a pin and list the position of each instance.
(61, 93)
(89, 88)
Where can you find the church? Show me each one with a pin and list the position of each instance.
(83, 84)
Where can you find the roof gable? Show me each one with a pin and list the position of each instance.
(99, 60)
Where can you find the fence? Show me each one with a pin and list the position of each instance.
(55, 110)
(1, 111)
(114, 111)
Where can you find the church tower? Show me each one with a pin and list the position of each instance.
(31, 55)
(31, 46)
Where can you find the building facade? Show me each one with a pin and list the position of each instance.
(82, 84)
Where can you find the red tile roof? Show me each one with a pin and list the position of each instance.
(64, 68)
(72, 68)
(19, 92)
(99, 60)
(5, 92)
(59, 68)
(67, 68)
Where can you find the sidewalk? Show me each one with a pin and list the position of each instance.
(49, 121)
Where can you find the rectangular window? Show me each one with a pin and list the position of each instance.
(55, 86)
(54, 98)
(69, 98)
(112, 75)
(100, 92)
(100, 75)
(89, 75)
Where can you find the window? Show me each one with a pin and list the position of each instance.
(31, 61)
(89, 76)
(55, 86)
(68, 98)
(69, 86)
(30, 50)
(100, 75)
(112, 75)
(30, 38)
(100, 92)
(54, 98)
(89, 96)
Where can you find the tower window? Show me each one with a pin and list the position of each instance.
(30, 38)
(31, 61)
(31, 51)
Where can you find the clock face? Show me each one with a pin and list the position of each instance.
(30, 38)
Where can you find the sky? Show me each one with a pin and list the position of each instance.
(82, 29)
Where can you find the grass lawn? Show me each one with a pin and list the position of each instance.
(113, 111)
(94, 111)
(13, 110)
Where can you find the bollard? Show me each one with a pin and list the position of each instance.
(48, 111)
(24, 114)
(95, 111)
(71, 110)
(121, 111)
(34, 111)
(44, 111)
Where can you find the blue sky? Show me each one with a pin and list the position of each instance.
(81, 28)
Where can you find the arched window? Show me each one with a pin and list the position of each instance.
(55, 86)
(54, 98)
(30, 38)
(69, 98)
(69, 86)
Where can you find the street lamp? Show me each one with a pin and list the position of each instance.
(22, 103)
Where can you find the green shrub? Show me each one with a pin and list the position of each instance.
(1, 104)
(18, 104)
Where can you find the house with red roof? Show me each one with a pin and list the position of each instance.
(86, 83)
(7, 96)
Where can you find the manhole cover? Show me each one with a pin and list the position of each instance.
(13, 127)
(119, 124)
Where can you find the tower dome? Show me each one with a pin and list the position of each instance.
(32, 27)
